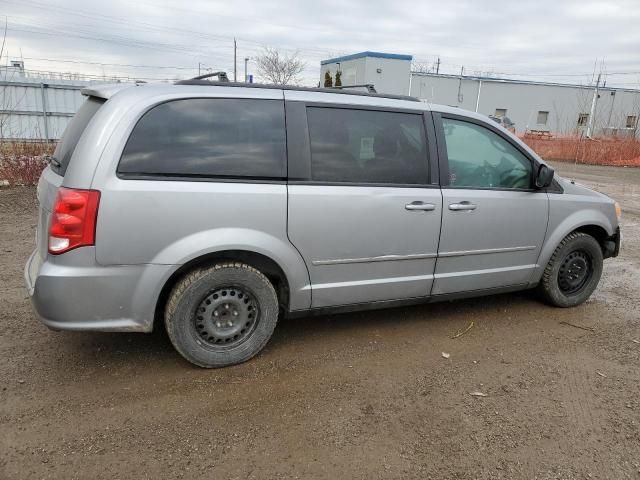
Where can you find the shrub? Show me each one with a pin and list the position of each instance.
(21, 163)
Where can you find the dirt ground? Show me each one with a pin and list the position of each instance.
(364, 395)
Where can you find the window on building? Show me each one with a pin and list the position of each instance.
(583, 119)
(364, 146)
(632, 121)
(209, 137)
(479, 158)
(501, 112)
(543, 117)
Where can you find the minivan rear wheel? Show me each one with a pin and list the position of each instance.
(573, 272)
(221, 315)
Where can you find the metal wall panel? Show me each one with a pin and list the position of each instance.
(24, 103)
(523, 100)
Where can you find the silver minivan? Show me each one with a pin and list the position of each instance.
(218, 207)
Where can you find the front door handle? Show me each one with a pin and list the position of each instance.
(462, 206)
(420, 206)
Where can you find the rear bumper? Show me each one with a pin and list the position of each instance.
(83, 296)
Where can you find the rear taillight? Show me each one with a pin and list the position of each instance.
(73, 220)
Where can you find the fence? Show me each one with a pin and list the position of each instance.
(35, 109)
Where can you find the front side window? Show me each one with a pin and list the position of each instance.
(209, 137)
(365, 146)
(480, 158)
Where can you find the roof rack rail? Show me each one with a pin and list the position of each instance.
(337, 91)
(222, 76)
(369, 86)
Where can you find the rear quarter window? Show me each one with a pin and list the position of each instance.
(208, 138)
(69, 140)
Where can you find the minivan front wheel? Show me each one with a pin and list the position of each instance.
(573, 272)
(221, 315)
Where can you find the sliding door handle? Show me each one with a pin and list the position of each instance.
(462, 206)
(428, 207)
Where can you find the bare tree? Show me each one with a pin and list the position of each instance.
(3, 100)
(278, 68)
(4, 38)
(9, 98)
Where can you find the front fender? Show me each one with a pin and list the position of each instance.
(561, 226)
(207, 242)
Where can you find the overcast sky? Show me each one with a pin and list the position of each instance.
(555, 40)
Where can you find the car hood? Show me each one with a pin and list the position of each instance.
(573, 188)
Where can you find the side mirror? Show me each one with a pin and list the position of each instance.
(544, 177)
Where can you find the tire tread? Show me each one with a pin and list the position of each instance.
(546, 285)
(183, 285)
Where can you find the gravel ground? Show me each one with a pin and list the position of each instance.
(365, 395)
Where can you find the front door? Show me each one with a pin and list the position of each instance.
(493, 222)
(366, 219)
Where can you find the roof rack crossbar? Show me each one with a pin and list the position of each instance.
(369, 86)
(222, 76)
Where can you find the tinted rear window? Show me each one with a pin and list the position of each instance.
(67, 144)
(209, 138)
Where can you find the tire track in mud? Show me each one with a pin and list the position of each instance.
(586, 419)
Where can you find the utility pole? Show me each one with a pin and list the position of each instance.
(246, 61)
(438, 66)
(235, 65)
(593, 107)
(478, 97)
(460, 95)
(198, 68)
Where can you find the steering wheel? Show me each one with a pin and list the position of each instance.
(485, 172)
(515, 178)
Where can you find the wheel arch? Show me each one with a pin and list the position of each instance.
(591, 222)
(596, 231)
(269, 267)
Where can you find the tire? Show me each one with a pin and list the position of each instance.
(573, 272)
(221, 315)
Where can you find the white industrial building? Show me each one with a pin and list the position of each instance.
(37, 108)
(389, 72)
(535, 107)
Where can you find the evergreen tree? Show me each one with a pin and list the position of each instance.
(338, 78)
(328, 81)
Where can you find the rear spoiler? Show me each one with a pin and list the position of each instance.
(106, 90)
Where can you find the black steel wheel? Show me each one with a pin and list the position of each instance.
(226, 317)
(573, 272)
(221, 315)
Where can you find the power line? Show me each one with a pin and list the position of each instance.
(89, 76)
(201, 50)
(60, 60)
(159, 28)
(176, 48)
